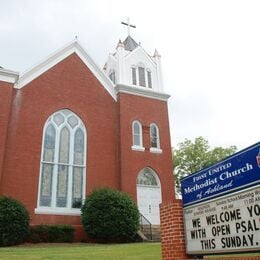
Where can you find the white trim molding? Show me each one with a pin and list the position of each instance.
(155, 150)
(137, 148)
(60, 55)
(8, 76)
(139, 133)
(141, 91)
(50, 211)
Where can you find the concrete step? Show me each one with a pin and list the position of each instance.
(155, 230)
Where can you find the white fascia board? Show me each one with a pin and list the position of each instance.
(141, 91)
(8, 76)
(60, 55)
(144, 52)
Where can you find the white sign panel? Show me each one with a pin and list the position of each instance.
(227, 224)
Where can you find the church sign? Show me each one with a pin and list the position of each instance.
(236, 172)
(222, 205)
(229, 224)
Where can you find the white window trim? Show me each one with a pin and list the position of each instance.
(136, 78)
(137, 147)
(52, 210)
(158, 148)
(145, 76)
(148, 70)
(57, 211)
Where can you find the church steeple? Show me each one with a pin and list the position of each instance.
(132, 66)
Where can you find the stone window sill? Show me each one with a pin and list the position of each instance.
(57, 211)
(138, 148)
(155, 150)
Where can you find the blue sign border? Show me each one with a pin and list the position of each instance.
(234, 173)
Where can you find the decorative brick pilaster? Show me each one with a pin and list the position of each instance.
(6, 93)
(172, 231)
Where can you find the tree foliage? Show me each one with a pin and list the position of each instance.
(192, 156)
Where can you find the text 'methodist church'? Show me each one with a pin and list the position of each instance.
(68, 127)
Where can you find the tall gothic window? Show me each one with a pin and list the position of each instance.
(141, 74)
(63, 163)
(149, 79)
(134, 76)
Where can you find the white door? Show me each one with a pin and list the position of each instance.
(149, 195)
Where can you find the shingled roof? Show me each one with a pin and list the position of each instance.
(129, 43)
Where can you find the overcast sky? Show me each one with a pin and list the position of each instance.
(210, 53)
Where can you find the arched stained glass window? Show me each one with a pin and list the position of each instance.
(63, 164)
(148, 177)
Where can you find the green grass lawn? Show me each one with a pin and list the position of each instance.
(134, 251)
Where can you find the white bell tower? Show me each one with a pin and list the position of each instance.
(132, 66)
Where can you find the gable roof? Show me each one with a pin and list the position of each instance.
(52, 60)
(141, 49)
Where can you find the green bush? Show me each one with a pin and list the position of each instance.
(38, 234)
(14, 222)
(110, 216)
(51, 234)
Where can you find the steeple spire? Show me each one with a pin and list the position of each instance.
(128, 25)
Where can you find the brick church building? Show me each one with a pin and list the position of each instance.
(68, 127)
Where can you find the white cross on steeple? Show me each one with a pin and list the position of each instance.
(128, 25)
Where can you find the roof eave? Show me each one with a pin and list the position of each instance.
(52, 60)
(141, 91)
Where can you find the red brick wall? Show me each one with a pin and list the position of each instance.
(6, 90)
(172, 231)
(69, 84)
(146, 111)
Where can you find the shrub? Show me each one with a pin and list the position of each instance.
(110, 216)
(38, 234)
(14, 222)
(51, 234)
